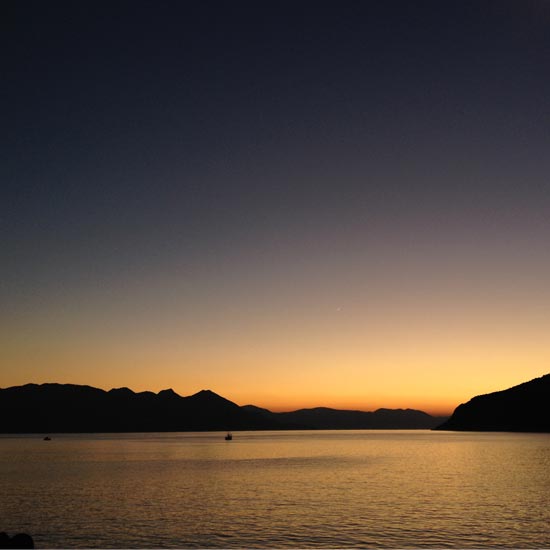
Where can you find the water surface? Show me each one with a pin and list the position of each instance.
(384, 489)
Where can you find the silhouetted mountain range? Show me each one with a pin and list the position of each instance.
(55, 408)
(523, 408)
(334, 419)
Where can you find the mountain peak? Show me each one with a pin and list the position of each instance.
(168, 393)
(207, 393)
(121, 391)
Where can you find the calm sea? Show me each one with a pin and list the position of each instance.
(308, 489)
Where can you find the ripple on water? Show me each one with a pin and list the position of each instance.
(280, 489)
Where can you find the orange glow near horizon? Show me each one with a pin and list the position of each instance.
(293, 338)
(431, 384)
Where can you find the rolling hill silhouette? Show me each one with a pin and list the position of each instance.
(335, 419)
(57, 408)
(522, 408)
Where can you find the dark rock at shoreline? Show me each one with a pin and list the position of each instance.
(21, 540)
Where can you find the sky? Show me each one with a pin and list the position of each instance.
(292, 204)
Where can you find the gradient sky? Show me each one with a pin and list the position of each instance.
(290, 203)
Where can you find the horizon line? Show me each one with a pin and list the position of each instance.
(275, 409)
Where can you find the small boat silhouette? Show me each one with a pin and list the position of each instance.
(229, 436)
(47, 438)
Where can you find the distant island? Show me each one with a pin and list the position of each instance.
(522, 408)
(69, 408)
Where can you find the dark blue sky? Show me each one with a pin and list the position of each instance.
(146, 140)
